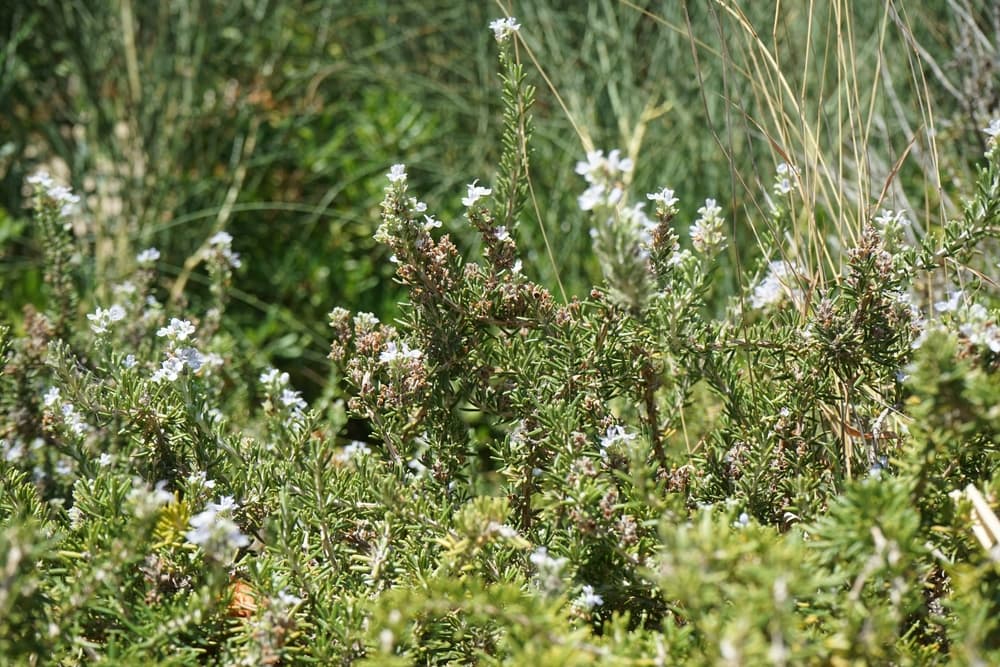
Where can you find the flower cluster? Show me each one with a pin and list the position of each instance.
(147, 257)
(146, 502)
(784, 179)
(216, 533)
(393, 354)
(992, 137)
(616, 436)
(892, 225)
(588, 599)
(65, 412)
(706, 232)
(604, 175)
(666, 202)
(352, 451)
(975, 323)
(475, 193)
(286, 401)
(59, 196)
(779, 283)
(177, 356)
(102, 318)
(548, 570)
(221, 248)
(504, 28)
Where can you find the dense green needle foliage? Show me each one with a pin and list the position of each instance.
(798, 466)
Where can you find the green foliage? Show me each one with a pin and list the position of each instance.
(798, 468)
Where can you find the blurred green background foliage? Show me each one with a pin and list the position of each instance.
(278, 120)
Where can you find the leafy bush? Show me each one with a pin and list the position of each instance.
(803, 475)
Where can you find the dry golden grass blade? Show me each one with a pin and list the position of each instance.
(985, 524)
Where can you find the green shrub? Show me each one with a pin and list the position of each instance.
(630, 478)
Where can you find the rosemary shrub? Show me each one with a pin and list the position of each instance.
(803, 477)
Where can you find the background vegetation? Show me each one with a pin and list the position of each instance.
(278, 119)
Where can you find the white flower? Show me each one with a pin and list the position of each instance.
(501, 233)
(200, 479)
(501, 529)
(616, 435)
(221, 239)
(394, 353)
(221, 243)
(273, 378)
(504, 28)
(603, 174)
(102, 318)
(147, 257)
(890, 219)
(51, 397)
(170, 369)
(616, 165)
(541, 559)
(286, 601)
(217, 535)
(365, 322)
(192, 358)
(351, 451)
(598, 169)
(952, 304)
(549, 569)
(665, 197)
(591, 198)
(105, 460)
(978, 328)
(226, 504)
(591, 168)
(678, 257)
(42, 179)
(635, 218)
(430, 222)
(74, 420)
(177, 330)
(588, 598)
(126, 288)
(993, 133)
(146, 501)
(706, 232)
(61, 195)
(293, 400)
(779, 282)
(397, 173)
(13, 451)
(475, 192)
